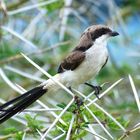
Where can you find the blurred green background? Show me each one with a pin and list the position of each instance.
(47, 31)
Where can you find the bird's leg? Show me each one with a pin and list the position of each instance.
(78, 101)
(70, 88)
(97, 89)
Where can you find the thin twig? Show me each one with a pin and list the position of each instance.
(41, 110)
(30, 7)
(22, 73)
(99, 107)
(60, 136)
(95, 134)
(48, 75)
(56, 120)
(70, 129)
(135, 92)
(19, 56)
(29, 43)
(12, 5)
(106, 91)
(64, 18)
(21, 91)
(93, 115)
(91, 128)
(129, 132)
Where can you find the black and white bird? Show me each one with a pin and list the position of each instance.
(82, 64)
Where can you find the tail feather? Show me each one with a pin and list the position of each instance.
(20, 103)
(21, 97)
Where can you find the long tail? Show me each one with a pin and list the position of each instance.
(19, 103)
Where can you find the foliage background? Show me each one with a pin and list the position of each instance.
(47, 33)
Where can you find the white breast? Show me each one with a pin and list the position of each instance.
(95, 58)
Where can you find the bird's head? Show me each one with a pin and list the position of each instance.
(99, 33)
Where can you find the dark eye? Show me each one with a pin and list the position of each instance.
(100, 32)
(104, 31)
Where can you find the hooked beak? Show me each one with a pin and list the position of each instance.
(113, 33)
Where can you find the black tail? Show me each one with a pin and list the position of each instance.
(19, 103)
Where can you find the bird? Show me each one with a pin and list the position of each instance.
(83, 63)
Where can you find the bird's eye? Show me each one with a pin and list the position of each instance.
(99, 32)
(105, 31)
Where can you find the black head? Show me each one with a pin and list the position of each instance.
(97, 31)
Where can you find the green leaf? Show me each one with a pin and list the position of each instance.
(55, 5)
(33, 124)
(81, 134)
(10, 130)
(62, 105)
(114, 126)
(18, 136)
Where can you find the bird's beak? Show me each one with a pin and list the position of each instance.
(113, 33)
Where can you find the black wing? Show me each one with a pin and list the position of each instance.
(72, 61)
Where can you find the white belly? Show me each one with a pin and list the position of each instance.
(95, 58)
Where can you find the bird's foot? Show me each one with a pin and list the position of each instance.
(78, 101)
(70, 89)
(97, 89)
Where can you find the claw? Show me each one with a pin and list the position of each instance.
(70, 89)
(97, 89)
(78, 101)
